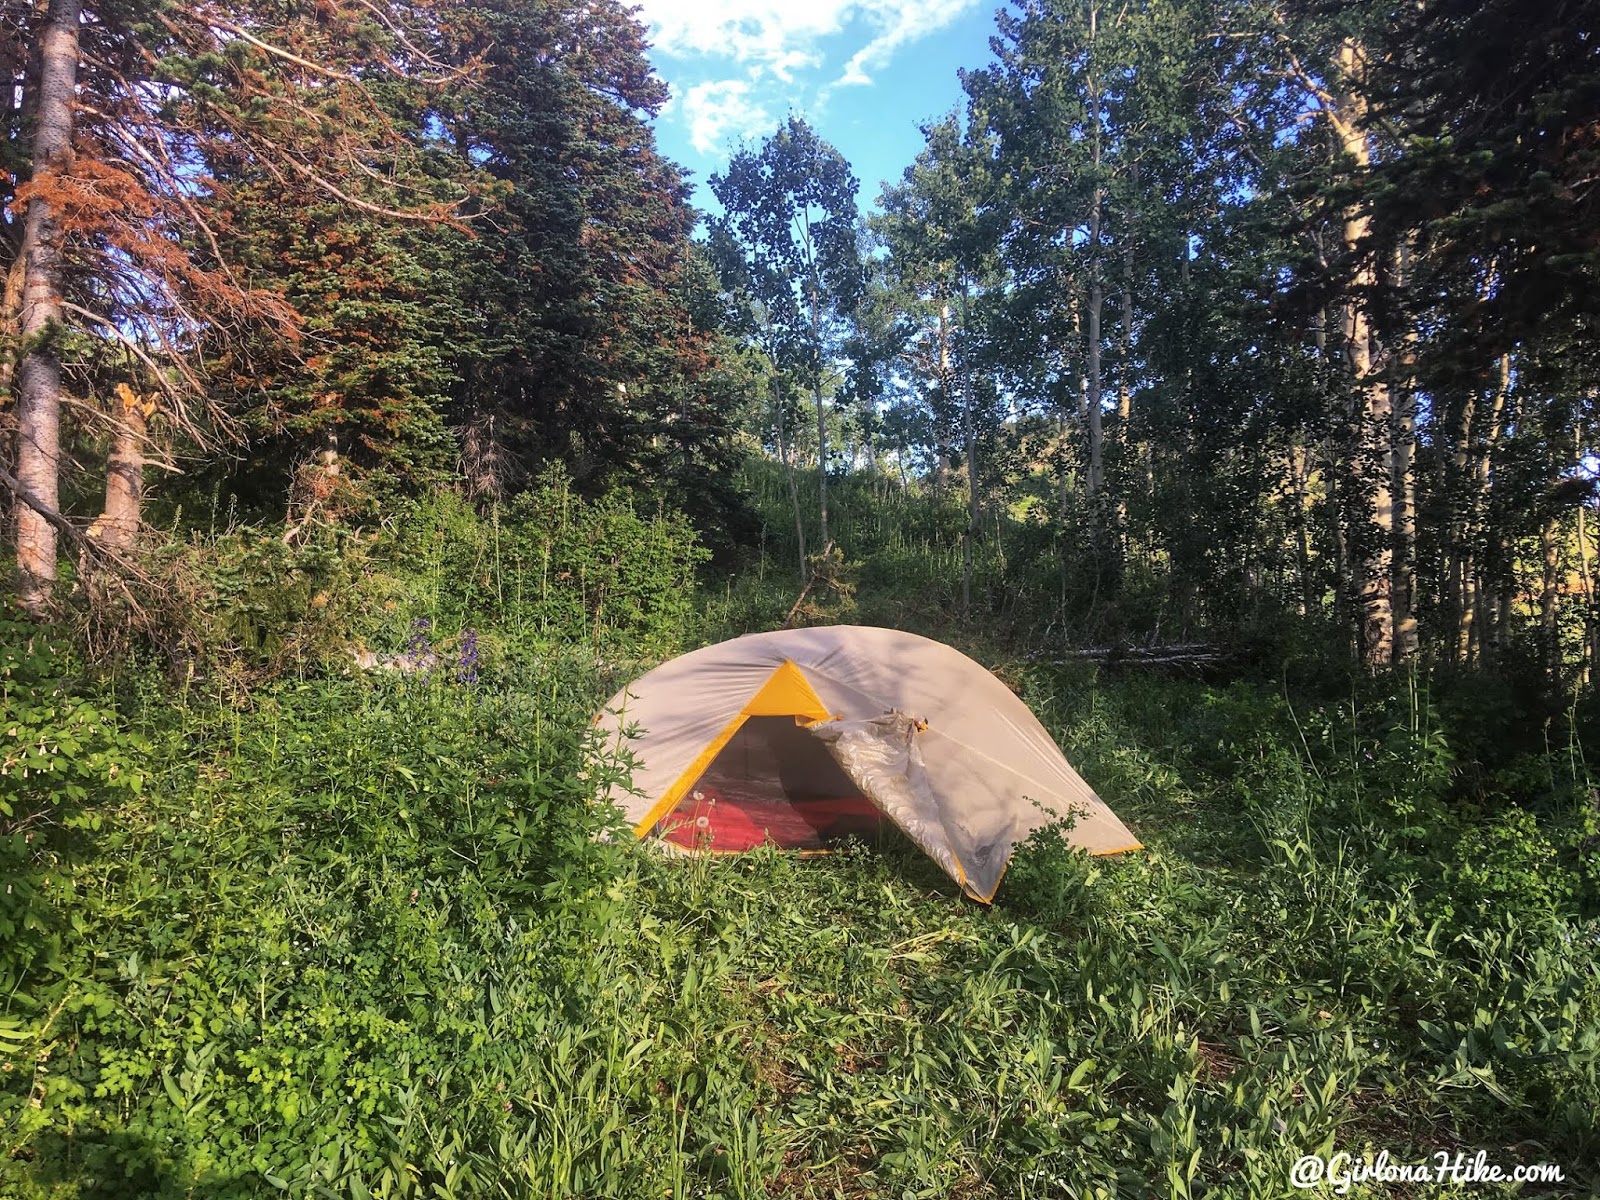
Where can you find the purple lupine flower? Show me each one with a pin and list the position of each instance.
(467, 668)
(419, 657)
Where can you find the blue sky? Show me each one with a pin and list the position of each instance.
(865, 73)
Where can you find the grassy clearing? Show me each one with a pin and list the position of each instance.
(357, 939)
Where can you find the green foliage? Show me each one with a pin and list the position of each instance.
(251, 605)
(1509, 862)
(317, 915)
(550, 567)
(63, 757)
(359, 939)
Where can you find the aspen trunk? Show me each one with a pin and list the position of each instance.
(1344, 602)
(1096, 302)
(38, 384)
(1403, 483)
(24, 102)
(1125, 373)
(1550, 591)
(1587, 577)
(1469, 634)
(1374, 410)
(822, 424)
(1125, 351)
(1492, 613)
(1458, 551)
(962, 382)
(1300, 473)
(970, 432)
(794, 490)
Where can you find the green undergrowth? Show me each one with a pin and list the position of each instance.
(369, 937)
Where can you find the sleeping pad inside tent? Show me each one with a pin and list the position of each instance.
(773, 782)
(804, 737)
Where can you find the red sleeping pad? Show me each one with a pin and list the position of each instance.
(709, 818)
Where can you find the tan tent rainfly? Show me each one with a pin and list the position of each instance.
(803, 736)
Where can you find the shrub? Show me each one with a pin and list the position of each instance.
(63, 757)
(250, 607)
(550, 567)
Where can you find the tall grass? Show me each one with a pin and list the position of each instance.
(368, 935)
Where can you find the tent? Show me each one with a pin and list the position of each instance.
(802, 737)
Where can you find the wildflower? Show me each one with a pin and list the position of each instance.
(467, 668)
(418, 657)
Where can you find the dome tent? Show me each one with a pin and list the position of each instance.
(801, 736)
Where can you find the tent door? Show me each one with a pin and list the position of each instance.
(773, 782)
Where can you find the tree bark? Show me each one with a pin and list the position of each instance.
(788, 474)
(1300, 473)
(1550, 590)
(38, 414)
(1374, 410)
(23, 103)
(1585, 575)
(970, 432)
(1482, 579)
(1403, 482)
(1096, 384)
(117, 528)
(1458, 552)
(822, 424)
(1125, 368)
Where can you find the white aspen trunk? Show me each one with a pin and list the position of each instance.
(788, 475)
(1096, 385)
(1458, 565)
(1482, 483)
(1403, 482)
(949, 384)
(1587, 576)
(23, 102)
(38, 383)
(1125, 368)
(1374, 559)
(974, 503)
(822, 423)
(1299, 471)
(1550, 590)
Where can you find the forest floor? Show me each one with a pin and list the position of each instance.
(355, 937)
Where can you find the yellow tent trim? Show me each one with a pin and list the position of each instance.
(1118, 850)
(786, 693)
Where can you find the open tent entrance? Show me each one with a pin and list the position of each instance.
(772, 782)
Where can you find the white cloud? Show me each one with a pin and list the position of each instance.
(900, 24)
(737, 62)
(781, 36)
(715, 110)
(774, 35)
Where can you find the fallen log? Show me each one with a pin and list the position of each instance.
(1175, 654)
